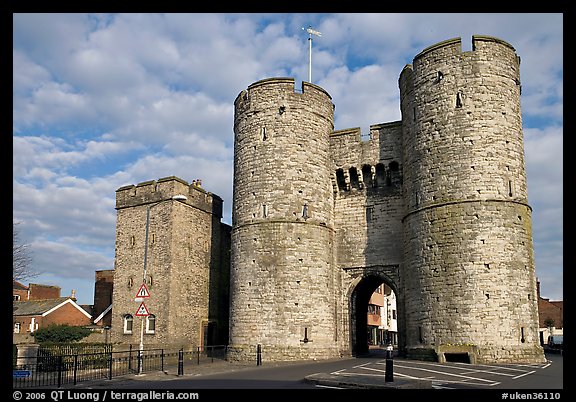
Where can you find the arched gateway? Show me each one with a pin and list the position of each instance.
(360, 289)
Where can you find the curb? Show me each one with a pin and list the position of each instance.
(341, 381)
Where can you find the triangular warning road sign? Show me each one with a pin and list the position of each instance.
(143, 291)
(142, 311)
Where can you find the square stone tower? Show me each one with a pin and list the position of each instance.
(184, 266)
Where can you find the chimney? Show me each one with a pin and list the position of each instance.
(73, 296)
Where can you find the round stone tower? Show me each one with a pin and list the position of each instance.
(282, 281)
(468, 272)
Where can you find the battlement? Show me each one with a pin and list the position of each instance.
(288, 84)
(260, 92)
(454, 46)
(154, 191)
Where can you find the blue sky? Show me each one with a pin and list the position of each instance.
(106, 100)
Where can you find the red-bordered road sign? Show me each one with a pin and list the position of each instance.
(143, 292)
(142, 311)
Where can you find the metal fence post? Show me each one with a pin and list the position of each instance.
(162, 359)
(75, 367)
(198, 348)
(181, 362)
(258, 355)
(130, 358)
(59, 371)
(110, 357)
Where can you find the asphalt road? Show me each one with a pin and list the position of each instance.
(443, 376)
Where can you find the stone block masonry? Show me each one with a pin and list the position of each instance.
(185, 260)
(434, 206)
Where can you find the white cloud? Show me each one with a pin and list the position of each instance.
(105, 100)
(544, 165)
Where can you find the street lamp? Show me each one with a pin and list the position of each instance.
(177, 197)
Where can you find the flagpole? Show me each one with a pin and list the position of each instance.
(310, 33)
(310, 58)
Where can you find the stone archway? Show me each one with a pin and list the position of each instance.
(364, 283)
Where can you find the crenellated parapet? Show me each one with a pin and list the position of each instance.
(153, 191)
(366, 163)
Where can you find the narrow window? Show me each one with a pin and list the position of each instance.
(264, 136)
(151, 324)
(132, 241)
(439, 76)
(16, 327)
(353, 177)
(128, 321)
(367, 175)
(307, 334)
(264, 210)
(340, 180)
(369, 213)
(305, 211)
(380, 174)
(459, 99)
(510, 188)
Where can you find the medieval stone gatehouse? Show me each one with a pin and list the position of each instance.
(434, 205)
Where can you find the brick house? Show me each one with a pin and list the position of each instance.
(33, 291)
(30, 315)
(549, 311)
(103, 288)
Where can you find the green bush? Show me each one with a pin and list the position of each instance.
(60, 333)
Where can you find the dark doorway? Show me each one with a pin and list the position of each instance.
(457, 357)
(367, 334)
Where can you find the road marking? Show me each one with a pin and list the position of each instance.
(361, 365)
(522, 375)
(448, 374)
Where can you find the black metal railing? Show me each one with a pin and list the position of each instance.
(58, 370)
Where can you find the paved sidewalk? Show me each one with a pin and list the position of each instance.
(169, 373)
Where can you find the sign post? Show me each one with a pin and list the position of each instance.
(143, 312)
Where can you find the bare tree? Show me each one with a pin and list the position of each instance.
(22, 268)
